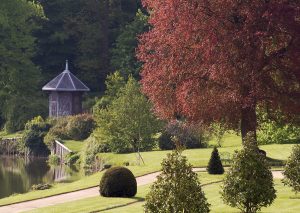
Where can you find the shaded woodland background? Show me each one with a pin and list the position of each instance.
(97, 37)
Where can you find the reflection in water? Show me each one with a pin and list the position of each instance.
(17, 175)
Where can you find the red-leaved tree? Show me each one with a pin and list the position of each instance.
(217, 60)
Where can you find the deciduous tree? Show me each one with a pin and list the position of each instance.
(18, 75)
(218, 60)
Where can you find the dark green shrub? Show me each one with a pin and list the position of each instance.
(19, 110)
(59, 127)
(72, 158)
(292, 170)
(41, 186)
(92, 147)
(165, 141)
(53, 160)
(118, 182)
(107, 166)
(80, 127)
(50, 138)
(177, 188)
(190, 136)
(33, 136)
(215, 165)
(276, 130)
(248, 185)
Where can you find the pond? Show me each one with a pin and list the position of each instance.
(17, 175)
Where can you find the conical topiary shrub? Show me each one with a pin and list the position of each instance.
(215, 165)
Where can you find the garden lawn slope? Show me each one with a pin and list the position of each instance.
(197, 157)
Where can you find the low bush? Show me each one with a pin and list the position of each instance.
(248, 185)
(33, 136)
(215, 165)
(292, 170)
(72, 158)
(53, 160)
(50, 138)
(79, 127)
(118, 182)
(190, 136)
(276, 130)
(92, 147)
(59, 127)
(165, 141)
(41, 186)
(177, 188)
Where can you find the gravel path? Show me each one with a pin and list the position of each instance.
(85, 193)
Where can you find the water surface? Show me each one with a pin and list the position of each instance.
(17, 175)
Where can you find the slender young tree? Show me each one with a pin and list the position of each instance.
(213, 61)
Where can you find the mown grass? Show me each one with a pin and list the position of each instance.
(286, 200)
(4, 134)
(101, 203)
(197, 157)
(75, 146)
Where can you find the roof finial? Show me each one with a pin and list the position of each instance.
(67, 65)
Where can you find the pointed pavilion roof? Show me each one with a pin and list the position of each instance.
(66, 81)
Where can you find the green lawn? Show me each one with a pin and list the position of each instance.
(286, 200)
(197, 157)
(75, 146)
(100, 203)
(3, 134)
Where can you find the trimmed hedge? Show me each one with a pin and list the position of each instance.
(118, 182)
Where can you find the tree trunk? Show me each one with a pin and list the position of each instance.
(248, 122)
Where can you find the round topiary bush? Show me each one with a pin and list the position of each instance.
(118, 182)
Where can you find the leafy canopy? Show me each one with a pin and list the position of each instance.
(127, 124)
(18, 75)
(214, 61)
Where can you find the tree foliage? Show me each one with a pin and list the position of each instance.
(248, 184)
(127, 124)
(33, 137)
(276, 130)
(84, 32)
(177, 188)
(292, 170)
(123, 54)
(114, 83)
(19, 77)
(216, 61)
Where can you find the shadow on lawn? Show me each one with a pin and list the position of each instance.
(137, 200)
(276, 162)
